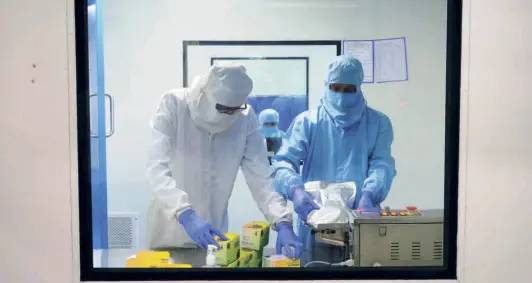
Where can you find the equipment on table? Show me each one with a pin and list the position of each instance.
(402, 237)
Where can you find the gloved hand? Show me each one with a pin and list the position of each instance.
(287, 240)
(366, 201)
(201, 232)
(303, 201)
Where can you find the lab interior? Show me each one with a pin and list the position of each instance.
(139, 50)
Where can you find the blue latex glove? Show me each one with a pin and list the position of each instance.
(201, 232)
(366, 201)
(287, 241)
(303, 202)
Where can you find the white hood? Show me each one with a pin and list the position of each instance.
(228, 85)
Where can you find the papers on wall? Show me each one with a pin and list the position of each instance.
(383, 60)
(363, 51)
(390, 60)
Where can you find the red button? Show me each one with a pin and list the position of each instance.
(411, 208)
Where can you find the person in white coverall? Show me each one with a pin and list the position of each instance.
(202, 135)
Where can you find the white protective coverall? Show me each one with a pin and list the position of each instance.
(195, 155)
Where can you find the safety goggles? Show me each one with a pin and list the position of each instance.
(228, 109)
(343, 88)
(269, 124)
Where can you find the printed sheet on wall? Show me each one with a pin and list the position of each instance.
(383, 60)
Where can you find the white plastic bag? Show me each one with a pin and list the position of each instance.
(333, 199)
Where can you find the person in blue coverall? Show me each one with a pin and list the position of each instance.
(342, 140)
(269, 125)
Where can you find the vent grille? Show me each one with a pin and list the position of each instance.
(394, 251)
(122, 231)
(437, 250)
(416, 251)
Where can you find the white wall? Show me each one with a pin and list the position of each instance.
(38, 169)
(143, 45)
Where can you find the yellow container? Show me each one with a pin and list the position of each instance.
(255, 235)
(146, 259)
(144, 263)
(174, 265)
(244, 262)
(229, 250)
(252, 257)
(280, 261)
(136, 263)
(161, 256)
(235, 264)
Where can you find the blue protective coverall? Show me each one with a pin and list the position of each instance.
(341, 140)
(272, 133)
(270, 116)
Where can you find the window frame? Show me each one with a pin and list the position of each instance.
(452, 120)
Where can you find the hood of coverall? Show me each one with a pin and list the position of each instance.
(344, 108)
(269, 116)
(226, 84)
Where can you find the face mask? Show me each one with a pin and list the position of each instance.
(344, 108)
(268, 132)
(343, 101)
(204, 113)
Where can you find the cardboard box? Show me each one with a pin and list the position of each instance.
(280, 261)
(235, 264)
(229, 250)
(244, 261)
(255, 235)
(253, 257)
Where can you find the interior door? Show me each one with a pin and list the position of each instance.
(101, 107)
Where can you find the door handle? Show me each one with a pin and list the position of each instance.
(111, 116)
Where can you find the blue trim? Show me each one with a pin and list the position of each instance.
(100, 197)
(406, 59)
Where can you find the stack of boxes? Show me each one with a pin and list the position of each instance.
(235, 252)
(228, 253)
(245, 251)
(255, 236)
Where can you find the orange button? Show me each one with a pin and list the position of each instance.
(411, 208)
(393, 213)
(384, 213)
(402, 213)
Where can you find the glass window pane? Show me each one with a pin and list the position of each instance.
(328, 128)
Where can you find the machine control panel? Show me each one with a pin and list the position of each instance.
(386, 212)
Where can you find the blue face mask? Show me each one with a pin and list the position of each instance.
(344, 108)
(269, 132)
(343, 101)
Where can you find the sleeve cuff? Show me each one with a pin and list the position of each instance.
(178, 212)
(284, 220)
